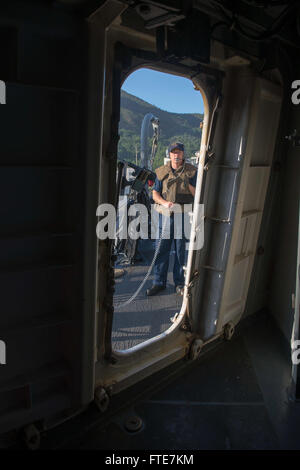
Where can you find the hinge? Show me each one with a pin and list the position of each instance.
(191, 284)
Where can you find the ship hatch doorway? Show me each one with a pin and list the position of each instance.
(157, 109)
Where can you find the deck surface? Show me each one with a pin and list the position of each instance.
(235, 398)
(145, 317)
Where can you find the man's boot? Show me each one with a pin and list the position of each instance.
(154, 289)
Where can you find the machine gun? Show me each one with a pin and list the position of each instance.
(137, 188)
(138, 194)
(142, 176)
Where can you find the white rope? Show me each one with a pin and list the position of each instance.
(131, 299)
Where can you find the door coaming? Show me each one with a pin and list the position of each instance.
(119, 369)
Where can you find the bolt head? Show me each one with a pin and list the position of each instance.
(133, 424)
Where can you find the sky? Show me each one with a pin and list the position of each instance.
(168, 92)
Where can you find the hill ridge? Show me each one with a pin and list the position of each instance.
(125, 93)
(184, 127)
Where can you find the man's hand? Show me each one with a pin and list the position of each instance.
(168, 204)
(160, 200)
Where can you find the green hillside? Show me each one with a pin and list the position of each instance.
(173, 126)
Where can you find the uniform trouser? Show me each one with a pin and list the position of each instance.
(162, 261)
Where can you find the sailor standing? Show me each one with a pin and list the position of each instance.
(175, 184)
